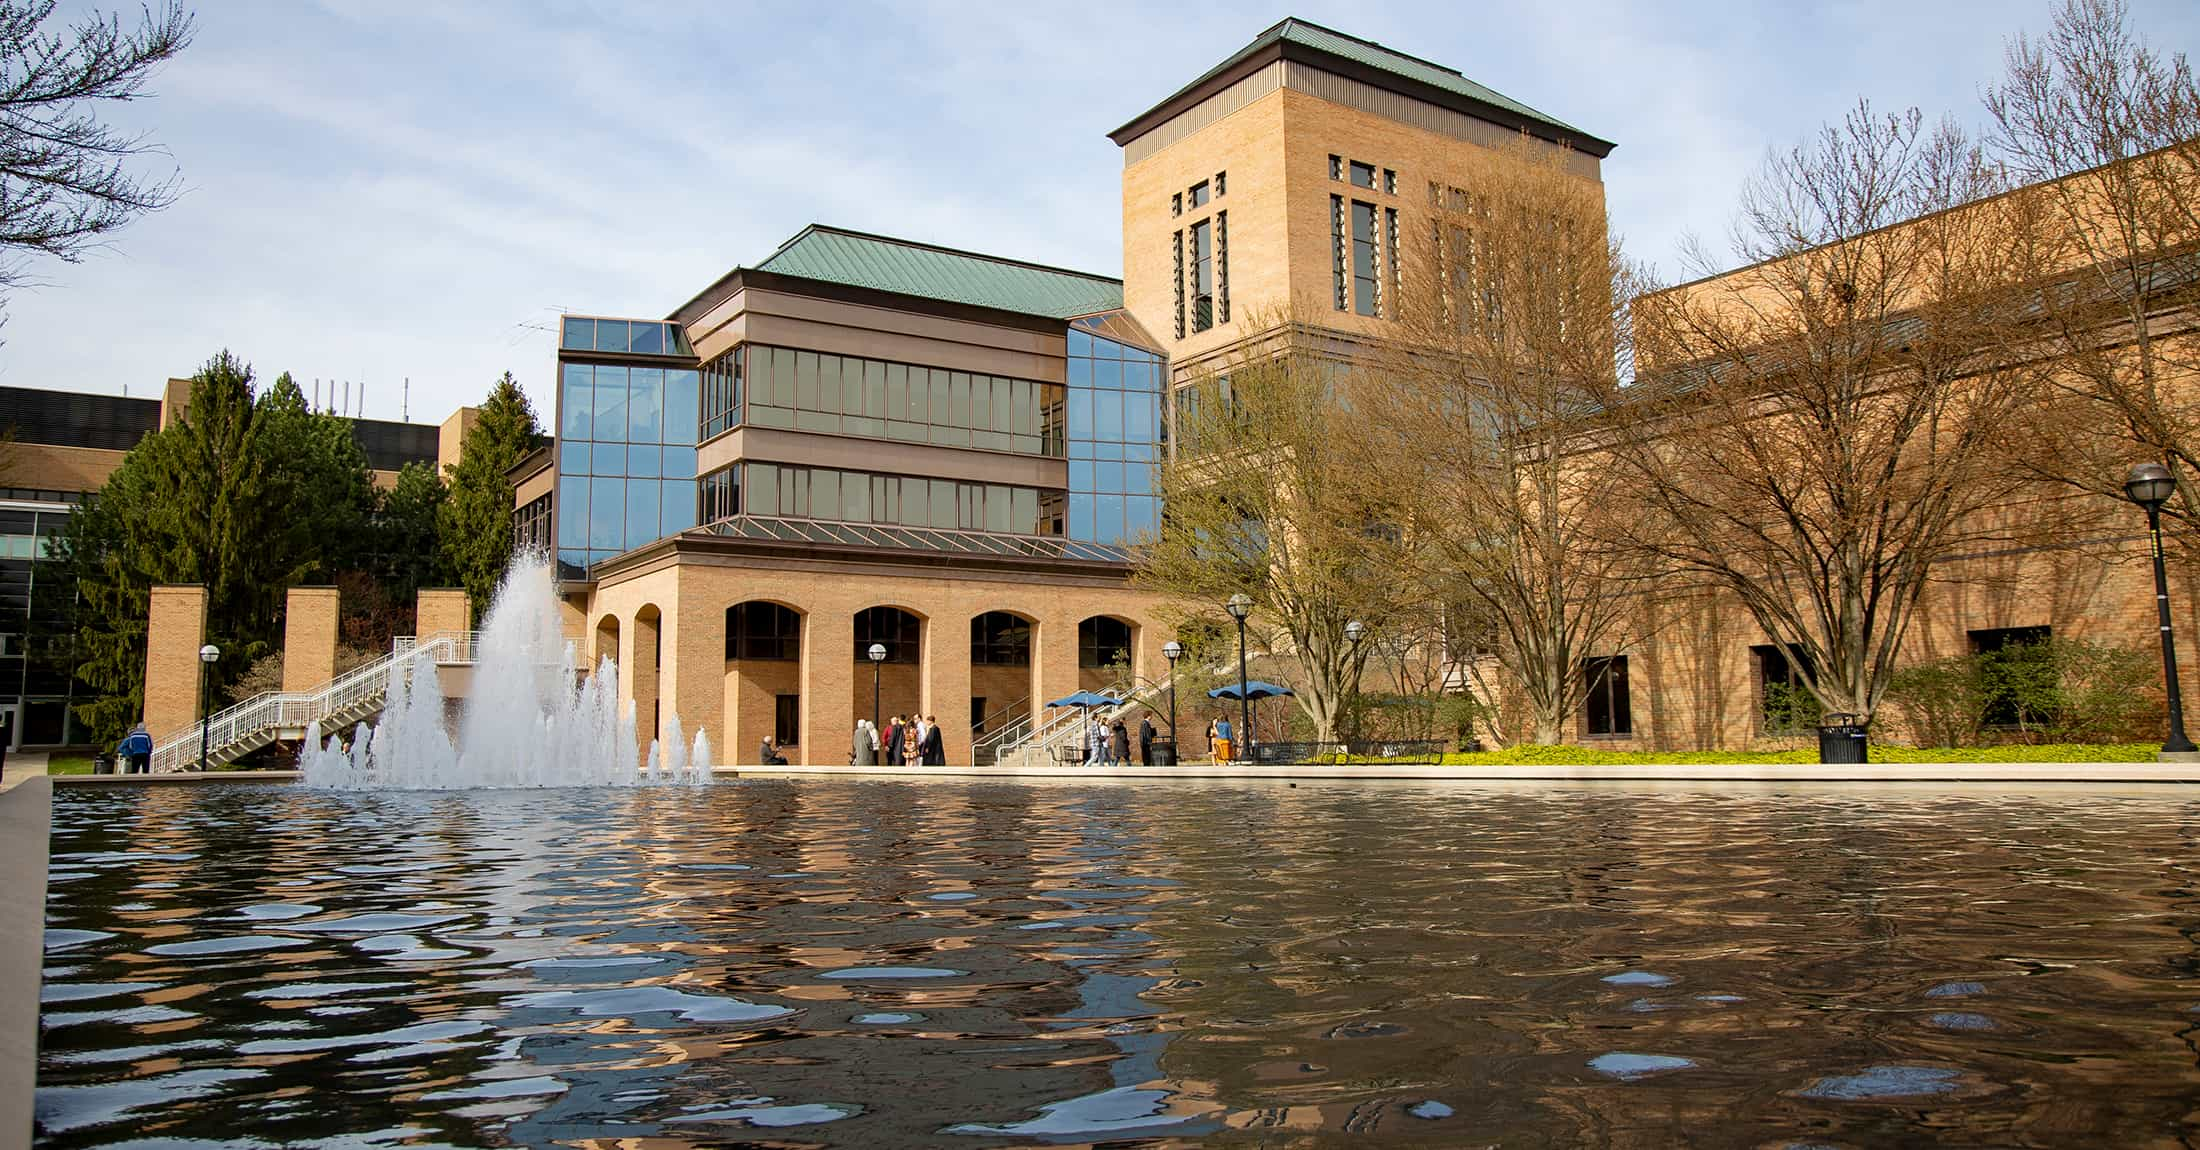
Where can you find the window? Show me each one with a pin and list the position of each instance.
(1222, 267)
(1784, 702)
(1336, 167)
(763, 631)
(1337, 249)
(1176, 204)
(1199, 194)
(1179, 280)
(999, 639)
(1363, 175)
(850, 395)
(1390, 182)
(897, 630)
(718, 495)
(1390, 251)
(1605, 710)
(1103, 642)
(1218, 183)
(787, 720)
(1203, 276)
(1365, 291)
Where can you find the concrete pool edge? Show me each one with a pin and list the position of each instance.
(1946, 773)
(26, 826)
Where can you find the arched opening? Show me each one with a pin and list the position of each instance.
(894, 686)
(607, 642)
(763, 678)
(641, 670)
(1000, 670)
(1104, 645)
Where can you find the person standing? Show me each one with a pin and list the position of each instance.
(1096, 743)
(136, 750)
(891, 742)
(934, 745)
(1223, 746)
(865, 751)
(1119, 743)
(1145, 738)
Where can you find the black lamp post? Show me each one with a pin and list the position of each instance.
(878, 664)
(2151, 485)
(1354, 631)
(1239, 606)
(207, 655)
(1172, 651)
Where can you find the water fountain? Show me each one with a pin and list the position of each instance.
(529, 721)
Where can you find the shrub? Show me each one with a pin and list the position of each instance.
(2058, 691)
(1942, 702)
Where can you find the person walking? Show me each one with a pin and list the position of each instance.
(1224, 749)
(1145, 738)
(136, 751)
(865, 751)
(933, 746)
(1096, 743)
(1119, 744)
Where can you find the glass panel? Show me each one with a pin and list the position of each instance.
(1141, 516)
(579, 334)
(1080, 516)
(572, 458)
(1080, 414)
(913, 499)
(828, 383)
(1108, 415)
(783, 388)
(645, 405)
(874, 389)
(1025, 413)
(825, 493)
(575, 416)
(762, 483)
(1107, 373)
(572, 511)
(676, 509)
(1138, 417)
(981, 401)
(641, 513)
(648, 338)
(1003, 406)
(855, 499)
(1080, 340)
(805, 381)
(1080, 372)
(610, 402)
(944, 512)
(608, 459)
(611, 335)
(680, 399)
(941, 409)
(998, 505)
(1080, 475)
(958, 400)
(644, 460)
(1024, 511)
(679, 462)
(1107, 515)
(606, 513)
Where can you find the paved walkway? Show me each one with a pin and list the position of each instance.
(22, 765)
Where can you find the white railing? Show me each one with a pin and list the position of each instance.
(1068, 727)
(357, 690)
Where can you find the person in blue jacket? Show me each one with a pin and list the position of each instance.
(136, 750)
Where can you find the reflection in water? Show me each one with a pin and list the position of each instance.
(874, 964)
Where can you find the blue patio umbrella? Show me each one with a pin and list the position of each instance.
(1255, 690)
(1084, 701)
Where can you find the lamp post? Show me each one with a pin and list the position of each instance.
(1239, 606)
(878, 663)
(2151, 485)
(1172, 651)
(207, 655)
(1354, 631)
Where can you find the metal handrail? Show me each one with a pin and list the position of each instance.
(277, 710)
(1061, 728)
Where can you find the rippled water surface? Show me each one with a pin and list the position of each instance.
(882, 964)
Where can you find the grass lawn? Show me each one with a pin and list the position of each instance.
(69, 765)
(1880, 753)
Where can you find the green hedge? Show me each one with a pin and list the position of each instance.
(1524, 756)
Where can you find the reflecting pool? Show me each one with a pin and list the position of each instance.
(974, 965)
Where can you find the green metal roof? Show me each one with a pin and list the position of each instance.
(886, 264)
(1373, 55)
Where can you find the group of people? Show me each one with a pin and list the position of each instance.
(1109, 744)
(914, 742)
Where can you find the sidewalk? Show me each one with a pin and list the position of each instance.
(22, 765)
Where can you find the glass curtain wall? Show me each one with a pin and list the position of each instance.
(1114, 436)
(626, 457)
(892, 500)
(848, 395)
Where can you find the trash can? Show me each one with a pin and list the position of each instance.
(1162, 753)
(102, 765)
(1841, 739)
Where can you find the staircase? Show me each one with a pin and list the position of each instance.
(348, 699)
(1023, 744)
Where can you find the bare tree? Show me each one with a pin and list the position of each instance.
(1511, 328)
(2109, 131)
(65, 176)
(1263, 500)
(1814, 434)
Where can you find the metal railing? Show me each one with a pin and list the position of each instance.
(1067, 726)
(356, 692)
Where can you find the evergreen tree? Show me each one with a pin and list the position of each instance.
(409, 550)
(247, 495)
(476, 521)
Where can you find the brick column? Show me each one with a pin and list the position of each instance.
(828, 687)
(946, 653)
(175, 629)
(309, 638)
(442, 609)
(1054, 659)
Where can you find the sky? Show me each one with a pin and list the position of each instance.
(382, 193)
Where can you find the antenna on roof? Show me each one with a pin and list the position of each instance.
(404, 402)
(347, 395)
